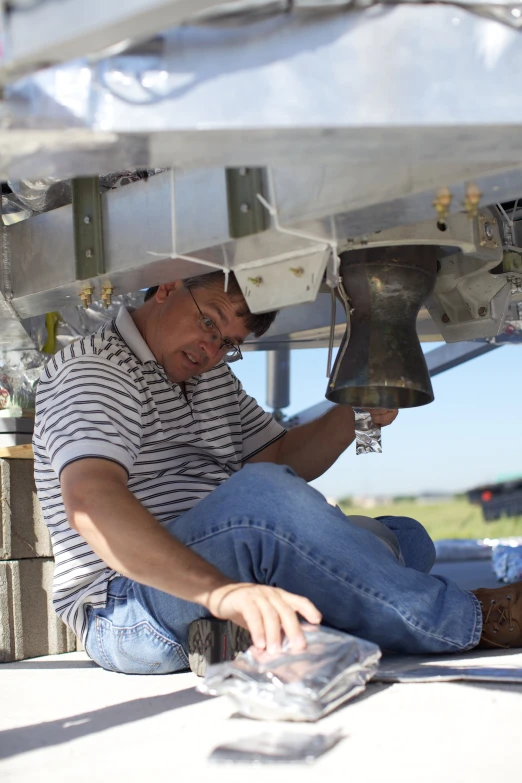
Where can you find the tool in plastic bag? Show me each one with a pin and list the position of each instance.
(277, 747)
(368, 438)
(297, 685)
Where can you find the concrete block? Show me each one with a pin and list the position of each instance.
(22, 528)
(29, 626)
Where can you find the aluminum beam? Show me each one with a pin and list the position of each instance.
(438, 360)
(451, 355)
(187, 210)
(51, 32)
(218, 93)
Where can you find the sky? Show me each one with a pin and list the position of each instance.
(470, 435)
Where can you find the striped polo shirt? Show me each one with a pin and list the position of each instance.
(106, 396)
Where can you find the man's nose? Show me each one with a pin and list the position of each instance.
(210, 346)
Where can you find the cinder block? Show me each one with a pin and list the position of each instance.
(22, 528)
(29, 625)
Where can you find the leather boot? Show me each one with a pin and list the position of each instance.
(501, 616)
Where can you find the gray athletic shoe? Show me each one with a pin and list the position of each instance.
(214, 641)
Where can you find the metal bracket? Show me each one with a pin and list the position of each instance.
(478, 236)
(88, 227)
(246, 214)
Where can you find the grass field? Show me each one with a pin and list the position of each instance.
(454, 519)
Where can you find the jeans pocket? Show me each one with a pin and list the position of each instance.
(137, 649)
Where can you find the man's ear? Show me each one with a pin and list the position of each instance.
(167, 288)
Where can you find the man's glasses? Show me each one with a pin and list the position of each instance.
(232, 352)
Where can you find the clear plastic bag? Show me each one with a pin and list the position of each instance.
(296, 685)
(19, 375)
(276, 747)
(367, 434)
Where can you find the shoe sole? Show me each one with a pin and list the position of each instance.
(214, 641)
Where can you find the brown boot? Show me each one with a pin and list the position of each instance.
(501, 615)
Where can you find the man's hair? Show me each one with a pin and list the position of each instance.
(257, 323)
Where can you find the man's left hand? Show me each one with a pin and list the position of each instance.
(383, 416)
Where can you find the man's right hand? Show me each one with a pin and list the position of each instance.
(264, 611)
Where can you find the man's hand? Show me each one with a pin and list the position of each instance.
(265, 612)
(383, 416)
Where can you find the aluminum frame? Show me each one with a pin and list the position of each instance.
(438, 360)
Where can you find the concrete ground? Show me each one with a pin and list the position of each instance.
(64, 719)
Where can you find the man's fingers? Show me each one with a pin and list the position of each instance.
(255, 624)
(304, 606)
(289, 621)
(272, 622)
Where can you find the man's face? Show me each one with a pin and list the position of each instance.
(180, 338)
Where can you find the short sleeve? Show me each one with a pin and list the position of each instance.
(259, 428)
(88, 407)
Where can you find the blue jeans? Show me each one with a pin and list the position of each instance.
(266, 525)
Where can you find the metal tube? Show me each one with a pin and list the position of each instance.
(278, 378)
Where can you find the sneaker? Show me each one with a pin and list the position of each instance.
(501, 615)
(214, 641)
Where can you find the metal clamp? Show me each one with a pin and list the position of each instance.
(88, 227)
(246, 215)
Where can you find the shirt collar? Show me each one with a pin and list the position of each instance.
(130, 333)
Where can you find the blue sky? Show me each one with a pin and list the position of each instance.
(471, 434)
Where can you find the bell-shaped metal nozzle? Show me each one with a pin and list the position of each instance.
(380, 363)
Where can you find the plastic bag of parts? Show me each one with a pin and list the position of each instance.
(42, 195)
(19, 375)
(78, 322)
(367, 434)
(276, 747)
(296, 685)
(13, 211)
(507, 562)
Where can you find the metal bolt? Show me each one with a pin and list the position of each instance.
(244, 208)
(87, 220)
(445, 318)
(298, 271)
(255, 280)
(89, 253)
(243, 171)
(442, 203)
(482, 311)
(488, 231)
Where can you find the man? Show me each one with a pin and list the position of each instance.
(171, 496)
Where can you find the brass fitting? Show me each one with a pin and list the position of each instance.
(86, 295)
(472, 200)
(106, 294)
(442, 202)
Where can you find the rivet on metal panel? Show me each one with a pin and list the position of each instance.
(482, 311)
(255, 280)
(472, 200)
(442, 202)
(88, 227)
(246, 215)
(445, 318)
(298, 271)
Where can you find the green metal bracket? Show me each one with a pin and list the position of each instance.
(88, 227)
(246, 214)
